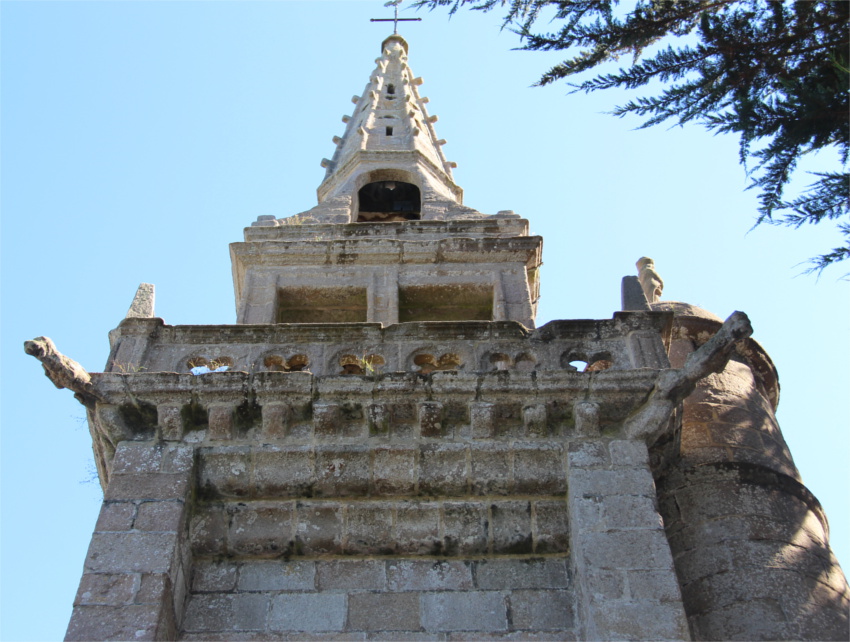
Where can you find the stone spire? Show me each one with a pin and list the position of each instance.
(389, 139)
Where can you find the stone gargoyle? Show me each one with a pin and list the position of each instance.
(63, 371)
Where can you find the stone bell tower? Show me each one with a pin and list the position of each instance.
(432, 259)
(384, 446)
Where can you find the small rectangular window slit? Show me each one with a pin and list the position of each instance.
(389, 131)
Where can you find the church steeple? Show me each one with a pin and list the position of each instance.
(390, 240)
(389, 164)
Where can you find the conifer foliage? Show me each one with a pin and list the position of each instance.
(773, 72)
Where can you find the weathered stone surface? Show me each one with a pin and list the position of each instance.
(542, 610)
(125, 622)
(214, 576)
(160, 516)
(537, 573)
(277, 575)
(263, 529)
(130, 552)
(116, 516)
(464, 611)
(427, 575)
(107, 588)
(351, 574)
(308, 612)
(227, 612)
(383, 611)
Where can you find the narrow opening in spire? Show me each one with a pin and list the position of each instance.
(389, 201)
(390, 89)
(389, 131)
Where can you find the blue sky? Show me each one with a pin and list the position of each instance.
(139, 138)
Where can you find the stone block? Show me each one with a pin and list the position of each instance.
(640, 620)
(221, 421)
(128, 622)
(629, 453)
(464, 611)
(107, 588)
(351, 574)
(394, 471)
(416, 528)
(308, 612)
(443, 469)
(263, 529)
(277, 575)
(654, 585)
(154, 588)
(276, 417)
(542, 610)
(226, 612)
(551, 531)
(177, 458)
(466, 528)
(511, 527)
(586, 417)
(116, 516)
(539, 470)
(605, 483)
(378, 416)
(319, 528)
(159, 516)
(137, 458)
(601, 586)
(490, 467)
(208, 531)
(383, 611)
(284, 472)
(481, 418)
(130, 552)
(213, 576)
(527, 573)
(369, 529)
(587, 454)
(342, 471)
(429, 575)
(153, 486)
(225, 472)
(534, 420)
(169, 418)
(758, 619)
(326, 419)
(430, 418)
(633, 550)
(604, 513)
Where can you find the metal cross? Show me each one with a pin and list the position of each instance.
(395, 19)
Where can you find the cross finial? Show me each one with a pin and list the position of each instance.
(395, 19)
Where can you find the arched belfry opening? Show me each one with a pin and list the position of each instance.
(388, 200)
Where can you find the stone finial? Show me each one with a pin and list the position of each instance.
(649, 280)
(143, 303)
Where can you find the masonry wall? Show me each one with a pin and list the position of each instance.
(360, 507)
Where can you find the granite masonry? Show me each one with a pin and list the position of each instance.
(384, 446)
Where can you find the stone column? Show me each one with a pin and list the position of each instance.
(137, 569)
(626, 584)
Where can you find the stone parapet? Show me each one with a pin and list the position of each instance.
(631, 340)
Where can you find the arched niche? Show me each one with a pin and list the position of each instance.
(388, 195)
